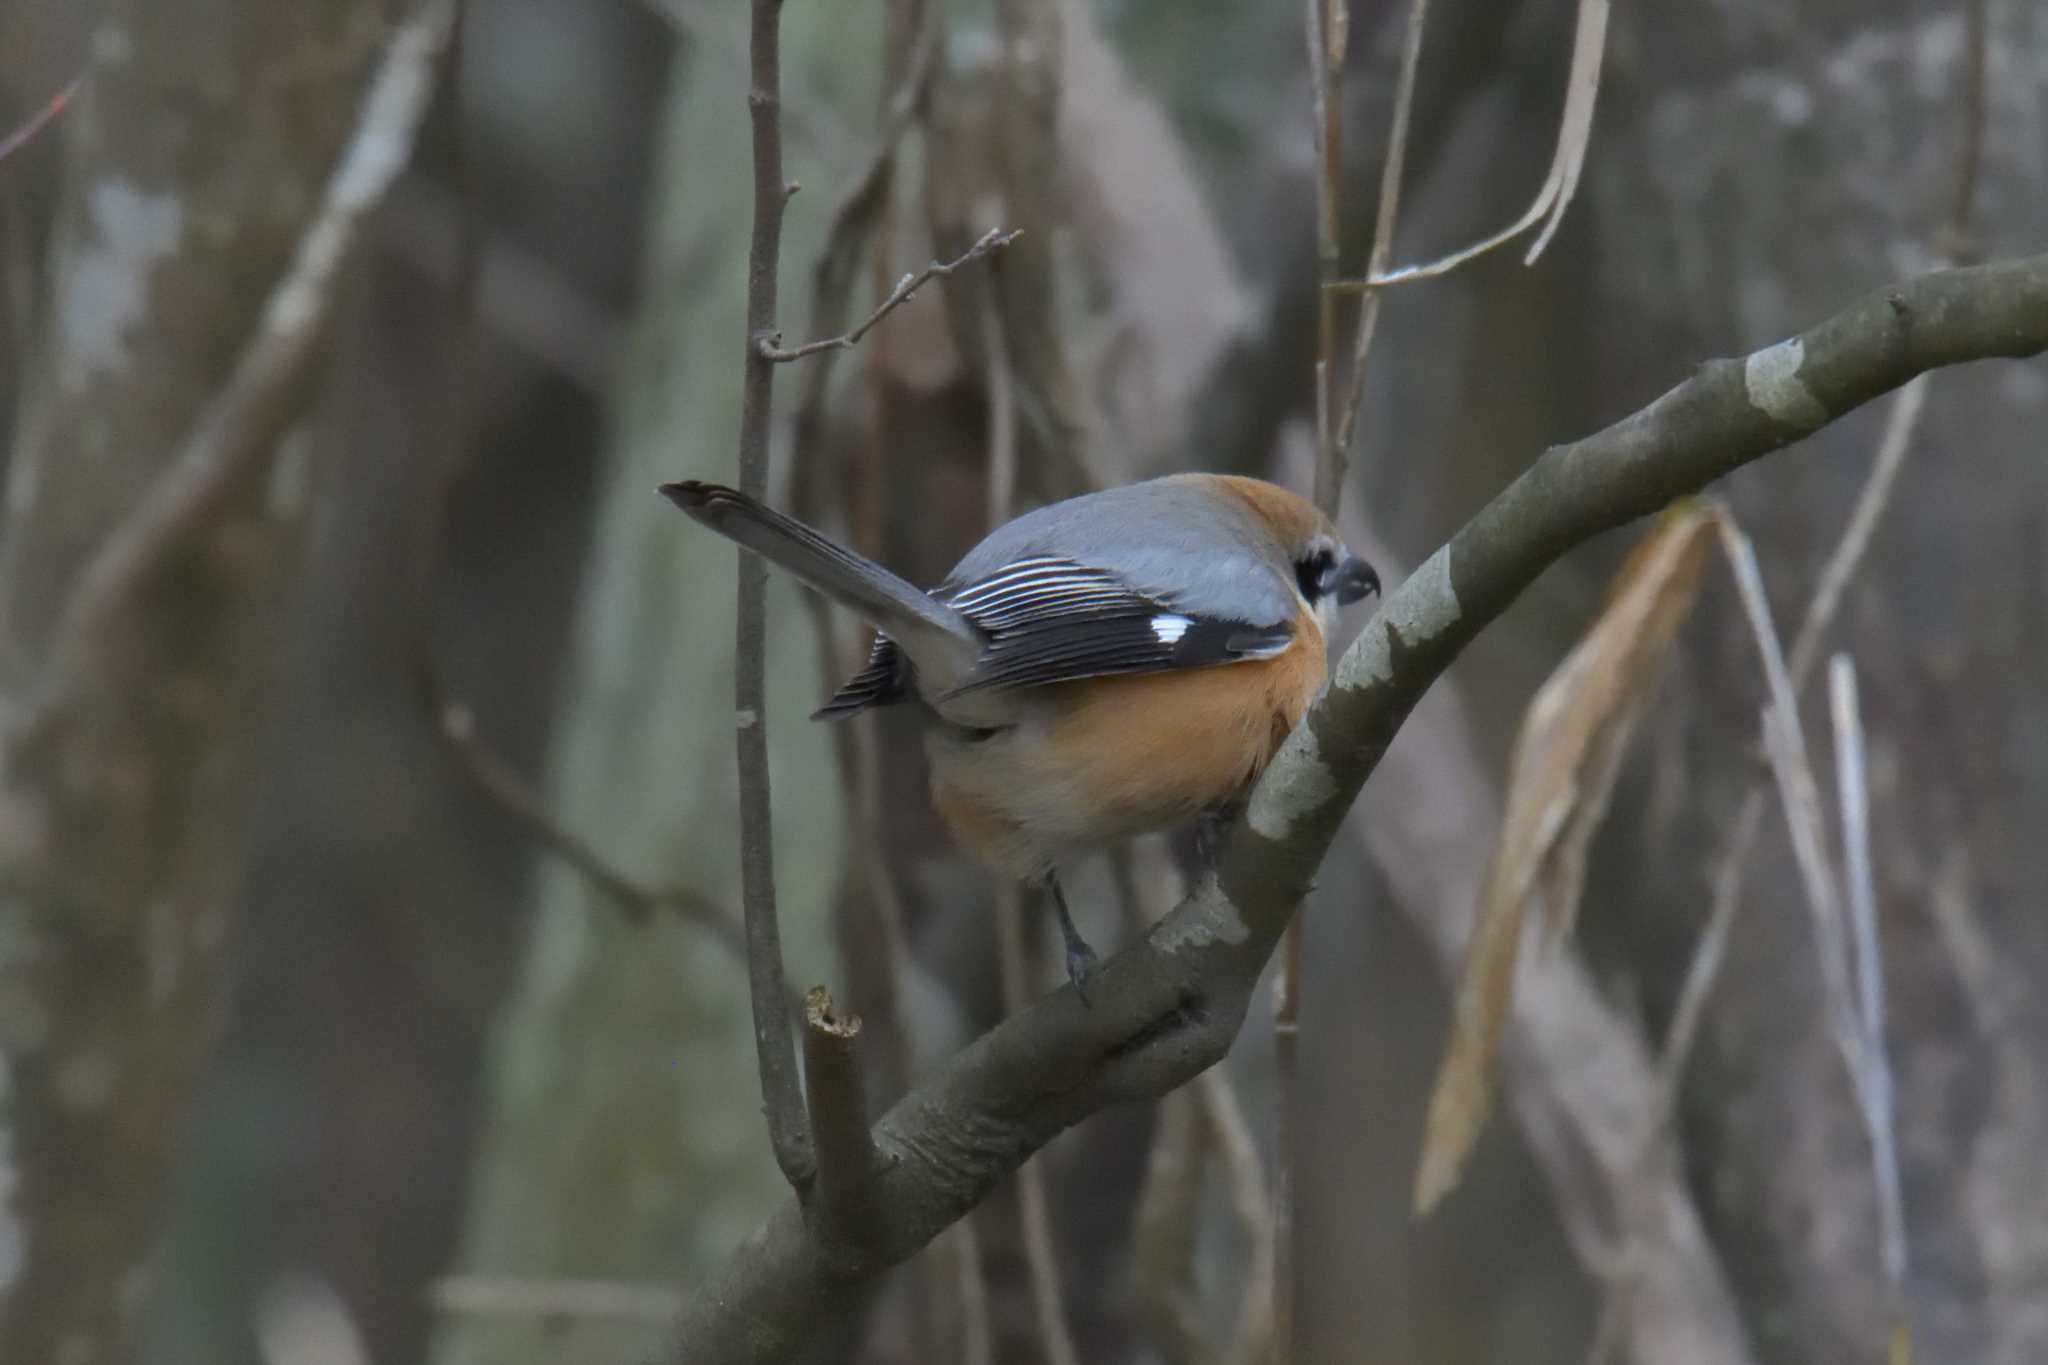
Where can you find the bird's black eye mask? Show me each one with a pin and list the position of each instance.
(1327, 573)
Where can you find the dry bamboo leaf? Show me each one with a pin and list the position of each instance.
(1559, 781)
(1574, 134)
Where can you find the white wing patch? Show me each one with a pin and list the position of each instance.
(1169, 628)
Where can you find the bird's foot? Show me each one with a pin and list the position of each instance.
(1081, 959)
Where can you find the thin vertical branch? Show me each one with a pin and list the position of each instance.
(962, 1247)
(1957, 239)
(1286, 1098)
(774, 1043)
(1040, 1254)
(1329, 29)
(1874, 1079)
(1385, 221)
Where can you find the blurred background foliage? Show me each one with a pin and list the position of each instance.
(446, 1054)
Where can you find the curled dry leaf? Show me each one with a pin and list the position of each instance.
(1559, 780)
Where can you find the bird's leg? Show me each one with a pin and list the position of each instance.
(1081, 958)
(1210, 827)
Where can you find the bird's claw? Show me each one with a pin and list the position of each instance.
(1081, 965)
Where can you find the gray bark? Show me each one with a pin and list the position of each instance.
(127, 761)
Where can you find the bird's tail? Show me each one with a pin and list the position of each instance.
(941, 642)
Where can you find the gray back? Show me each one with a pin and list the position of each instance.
(1170, 539)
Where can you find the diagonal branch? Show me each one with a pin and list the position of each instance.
(1169, 1006)
(994, 240)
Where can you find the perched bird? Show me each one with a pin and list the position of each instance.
(1123, 661)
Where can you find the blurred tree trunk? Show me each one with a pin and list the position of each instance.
(599, 1157)
(1757, 164)
(127, 763)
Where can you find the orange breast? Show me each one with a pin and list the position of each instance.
(1112, 757)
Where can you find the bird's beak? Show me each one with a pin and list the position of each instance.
(1351, 580)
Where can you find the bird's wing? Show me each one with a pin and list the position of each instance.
(1050, 619)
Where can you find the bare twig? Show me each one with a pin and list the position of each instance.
(1874, 1086)
(1041, 1255)
(511, 792)
(1328, 31)
(238, 432)
(1957, 238)
(995, 239)
(591, 1300)
(1002, 411)
(1231, 1137)
(1798, 792)
(774, 1046)
(1892, 446)
(1286, 1099)
(1384, 223)
(840, 1200)
(962, 1248)
(1853, 1007)
(1163, 1233)
(1325, 68)
(34, 124)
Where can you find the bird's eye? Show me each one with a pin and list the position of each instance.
(1312, 574)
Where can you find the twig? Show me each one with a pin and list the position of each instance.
(995, 239)
(1325, 77)
(1799, 794)
(589, 1300)
(1163, 1232)
(34, 124)
(1385, 221)
(1957, 238)
(510, 791)
(1874, 1081)
(1892, 446)
(1854, 1008)
(1002, 411)
(1231, 1137)
(840, 1199)
(1328, 32)
(1041, 1255)
(237, 433)
(977, 1342)
(1286, 1099)
(1169, 1005)
(774, 1046)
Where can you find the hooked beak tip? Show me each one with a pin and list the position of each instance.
(1356, 579)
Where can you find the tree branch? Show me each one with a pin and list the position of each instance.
(774, 1046)
(841, 1197)
(1169, 1006)
(995, 239)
